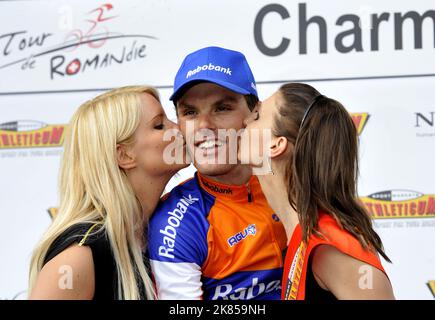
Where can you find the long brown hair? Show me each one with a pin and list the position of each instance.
(322, 171)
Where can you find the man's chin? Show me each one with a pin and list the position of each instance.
(214, 169)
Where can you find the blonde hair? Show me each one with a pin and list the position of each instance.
(94, 189)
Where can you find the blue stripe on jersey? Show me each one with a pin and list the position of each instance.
(178, 228)
(245, 285)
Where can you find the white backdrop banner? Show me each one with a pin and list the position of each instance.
(376, 57)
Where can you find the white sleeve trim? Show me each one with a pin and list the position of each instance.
(177, 280)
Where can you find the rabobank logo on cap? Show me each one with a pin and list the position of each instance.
(224, 67)
(208, 67)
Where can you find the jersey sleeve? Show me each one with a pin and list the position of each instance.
(177, 247)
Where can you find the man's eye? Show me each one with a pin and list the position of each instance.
(223, 108)
(257, 116)
(188, 113)
(159, 126)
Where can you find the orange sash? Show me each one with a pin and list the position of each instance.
(298, 253)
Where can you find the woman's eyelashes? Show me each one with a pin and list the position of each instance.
(257, 115)
(159, 126)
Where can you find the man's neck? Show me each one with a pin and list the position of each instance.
(275, 191)
(239, 175)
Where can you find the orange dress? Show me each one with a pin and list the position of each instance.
(298, 254)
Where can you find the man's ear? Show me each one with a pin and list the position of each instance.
(278, 146)
(125, 159)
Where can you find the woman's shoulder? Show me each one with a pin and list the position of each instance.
(334, 235)
(71, 269)
(83, 234)
(68, 264)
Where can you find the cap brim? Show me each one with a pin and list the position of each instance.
(181, 90)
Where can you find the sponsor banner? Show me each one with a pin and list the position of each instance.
(30, 134)
(400, 204)
(68, 46)
(425, 124)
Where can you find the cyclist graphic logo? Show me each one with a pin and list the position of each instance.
(81, 48)
(96, 35)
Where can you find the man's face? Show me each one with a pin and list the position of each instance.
(208, 115)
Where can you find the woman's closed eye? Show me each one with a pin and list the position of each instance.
(159, 126)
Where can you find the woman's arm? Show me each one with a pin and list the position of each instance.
(68, 276)
(349, 278)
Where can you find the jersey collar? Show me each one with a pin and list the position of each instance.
(244, 192)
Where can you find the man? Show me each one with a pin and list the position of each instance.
(214, 236)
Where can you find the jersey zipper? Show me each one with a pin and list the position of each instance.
(248, 188)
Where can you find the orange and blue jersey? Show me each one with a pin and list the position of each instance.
(211, 241)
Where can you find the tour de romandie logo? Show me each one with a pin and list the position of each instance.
(392, 204)
(30, 134)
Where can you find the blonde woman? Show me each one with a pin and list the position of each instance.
(111, 178)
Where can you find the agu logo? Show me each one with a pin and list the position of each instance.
(400, 204)
(235, 239)
(30, 134)
(360, 120)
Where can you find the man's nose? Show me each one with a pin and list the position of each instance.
(205, 122)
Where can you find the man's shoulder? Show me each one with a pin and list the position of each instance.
(184, 195)
(187, 184)
(184, 207)
(177, 230)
